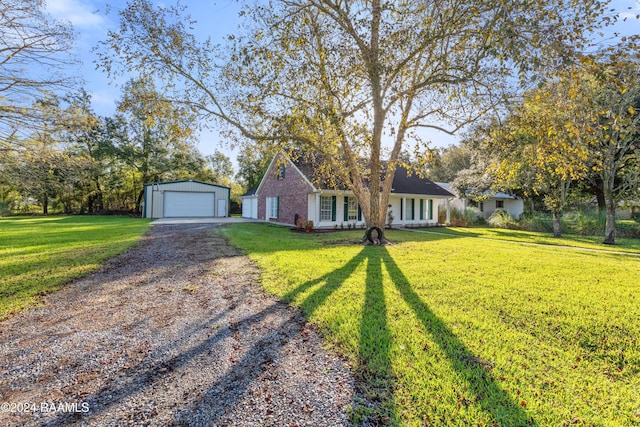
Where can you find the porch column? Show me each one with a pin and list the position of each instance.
(316, 220)
(448, 211)
(404, 209)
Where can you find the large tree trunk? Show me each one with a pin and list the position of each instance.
(377, 215)
(98, 200)
(139, 201)
(610, 223)
(608, 186)
(600, 199)
(557, 228)
(45, 205)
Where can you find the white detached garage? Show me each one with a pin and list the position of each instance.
(184, 199)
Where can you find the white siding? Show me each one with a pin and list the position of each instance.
(514, 207)
(396, 201)
(312, 212)
(250, 207)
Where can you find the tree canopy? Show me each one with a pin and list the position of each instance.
(579, 128)
(610, 90)
(34, 52)
(352, 80)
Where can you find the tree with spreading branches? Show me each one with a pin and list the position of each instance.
(35, 52)
(352, 81)
(610, 88)
(153, 136)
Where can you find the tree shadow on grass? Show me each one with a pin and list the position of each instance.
(374, 377)
(489, 395)
(376, 380)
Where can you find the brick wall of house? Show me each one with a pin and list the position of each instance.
(292, 190)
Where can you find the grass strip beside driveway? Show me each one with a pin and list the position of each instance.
(40, 254)
(466, 331)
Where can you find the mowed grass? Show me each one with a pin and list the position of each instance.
(40, 254)
(588, 242)
(466, 331)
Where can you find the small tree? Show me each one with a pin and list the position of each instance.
(540, 147)
(611, 88)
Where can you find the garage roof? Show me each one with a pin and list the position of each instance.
(187, 180)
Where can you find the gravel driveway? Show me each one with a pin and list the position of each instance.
(173, 332)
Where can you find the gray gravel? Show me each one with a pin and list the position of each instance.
(173, 332)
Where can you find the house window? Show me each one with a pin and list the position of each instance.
(499, 204)
(273, 207)
(281, 171)
(327, 208)
(352, 209)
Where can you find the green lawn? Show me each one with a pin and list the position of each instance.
(464, 331)
(590, 242)
(40, 254)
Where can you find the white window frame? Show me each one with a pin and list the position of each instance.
(352, 209)
(326, 208)
(272, 207)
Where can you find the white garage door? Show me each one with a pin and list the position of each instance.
(184, 204)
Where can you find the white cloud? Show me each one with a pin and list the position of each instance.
(78, 12)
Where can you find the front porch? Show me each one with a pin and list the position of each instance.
(340, 210)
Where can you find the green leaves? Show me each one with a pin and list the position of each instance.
(352, 80)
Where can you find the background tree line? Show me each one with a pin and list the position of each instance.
(55, 152)
(82, 163)
(574, 137)
(347, 80)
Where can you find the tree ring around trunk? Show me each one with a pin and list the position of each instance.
(375, 235)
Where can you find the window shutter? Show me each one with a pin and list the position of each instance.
(346, 208)
(277, 207)
(401, 209)
(333, 208)
(413, 209)
(430, 208)
(421, 209)
(359, 213)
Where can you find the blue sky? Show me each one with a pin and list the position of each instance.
(215, 19)
(91, 23)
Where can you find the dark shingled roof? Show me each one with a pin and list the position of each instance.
(310, 165)
(405, 184)
(250, 192)
(402, 182)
